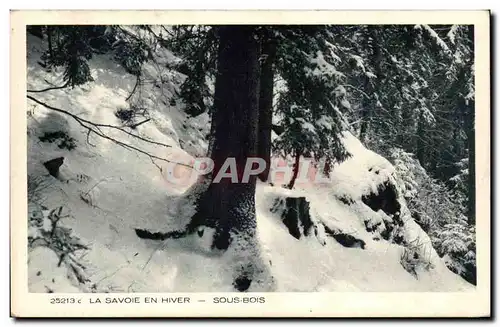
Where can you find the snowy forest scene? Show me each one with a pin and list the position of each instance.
(250, 158)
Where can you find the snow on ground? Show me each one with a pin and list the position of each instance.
(307, 265)
(124, 190)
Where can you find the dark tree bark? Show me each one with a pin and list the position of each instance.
(328, 167)
(295, 169)
(365, 110)
(471, 139)
(49, 38)
(226, 206)
(420, 141)
(266, 103)
(370, 87)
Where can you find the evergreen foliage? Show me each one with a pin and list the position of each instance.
(440, 211)
(197, 47)
(313, 99)
(70, 47)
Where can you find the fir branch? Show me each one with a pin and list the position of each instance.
(50, 88)
(95, 128)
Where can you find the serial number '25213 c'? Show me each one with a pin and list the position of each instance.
(64, 300)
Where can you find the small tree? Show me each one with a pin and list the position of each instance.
(69, 47)
(313, 98)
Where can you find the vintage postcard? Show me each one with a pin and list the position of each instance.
(250, 164)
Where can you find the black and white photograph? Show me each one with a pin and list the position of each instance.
(251, 159)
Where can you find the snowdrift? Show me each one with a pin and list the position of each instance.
(354, 234)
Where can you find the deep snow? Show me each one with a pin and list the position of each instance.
(125, 190)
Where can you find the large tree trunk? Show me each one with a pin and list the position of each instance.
(295, 169)
(365, 110)
(230, 207)
(49, 38)
(266, 104)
